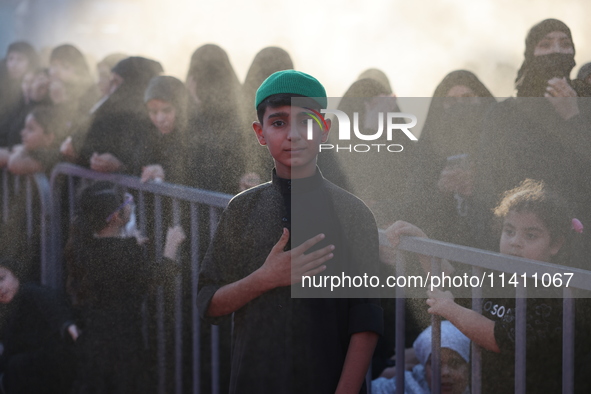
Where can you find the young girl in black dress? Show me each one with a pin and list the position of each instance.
(110, 274)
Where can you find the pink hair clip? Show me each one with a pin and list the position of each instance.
(577, 225)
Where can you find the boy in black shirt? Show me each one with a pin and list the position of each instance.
(283, 344)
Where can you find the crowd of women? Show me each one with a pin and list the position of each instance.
(133, 119)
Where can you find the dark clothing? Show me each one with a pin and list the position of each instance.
(118, 129)
(283, 344)
(526, 138)
(452, 128)
(170, 151)
(216, 159)
(38, 354)
(111, 280)
(120, 125)
(543, 348)
(379, 175)
(12, 124)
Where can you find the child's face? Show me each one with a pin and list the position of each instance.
(39, 87)
(284, 132)
(454, 372)
(8, 285)
(16, 64)
(33, 135)
(162, 114)
(525, 235)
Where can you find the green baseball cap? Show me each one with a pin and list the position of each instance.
(291, 82)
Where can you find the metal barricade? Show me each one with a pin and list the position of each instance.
(186, 203)
(189, 202)
(479, 260)
(30, 196)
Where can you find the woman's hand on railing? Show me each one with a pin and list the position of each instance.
(153, 172)
(105, 162)
(393, 233)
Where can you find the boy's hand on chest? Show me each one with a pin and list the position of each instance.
(284, 268)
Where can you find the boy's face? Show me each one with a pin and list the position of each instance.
(8, 285)
(284, 131)
(33, 135)
(524, 235)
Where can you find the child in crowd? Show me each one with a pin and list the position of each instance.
(39, 151)
(35, 89)
(36, 355)
(283, 344)
(166, 100)
(109, 276)
(536, 225)
(455, 365)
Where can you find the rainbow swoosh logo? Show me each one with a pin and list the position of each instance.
(317, 116)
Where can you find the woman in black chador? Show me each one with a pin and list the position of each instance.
(440, 187)
(217, 161)
(542, 133)
(117, 136)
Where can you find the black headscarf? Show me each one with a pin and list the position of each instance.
(216, 140)
(70, 54)
(119, 125)
(170, 150)
(265, 63)
(448, 131)
(173, 91)
(377, 75)
(214, 76)
(136, 73)
(455, 130)
(535, 71)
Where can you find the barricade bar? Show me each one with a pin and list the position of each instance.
(493, 261)
(200, 196)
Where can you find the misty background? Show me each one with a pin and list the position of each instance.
(416, 43)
